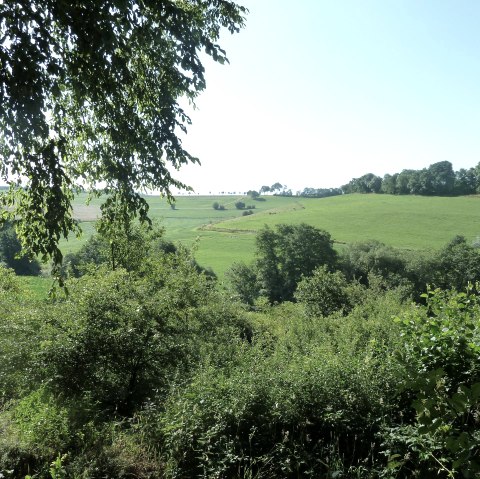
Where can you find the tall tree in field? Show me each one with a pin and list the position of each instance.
(443, 178)
(288, 253)
(89, 97)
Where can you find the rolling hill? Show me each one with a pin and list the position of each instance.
(222, 237)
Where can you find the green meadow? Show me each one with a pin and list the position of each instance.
(222, 237)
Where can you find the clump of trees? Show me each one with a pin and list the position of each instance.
(240, 205)
(320, 192)
(283, 256)
(439, 179)
(148, 369)
(217, 206)
(12, 256)
(290, 255)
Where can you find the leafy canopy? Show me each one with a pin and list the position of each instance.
(89, 97)
(288, 253)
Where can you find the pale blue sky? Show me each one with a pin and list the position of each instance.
(318, 92)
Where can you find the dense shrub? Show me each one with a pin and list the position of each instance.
(217, 206)
(9, 284)
(358, 260)
(440, 351)
(324, 293)
(243, 282)
(98, 356)
(288, 253)
(11, 253)
(308, 406)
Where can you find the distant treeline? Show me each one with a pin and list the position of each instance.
(320, 192)
(439, 179)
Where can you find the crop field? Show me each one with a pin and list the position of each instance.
(221, 237)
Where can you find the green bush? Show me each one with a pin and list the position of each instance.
(97, 357)
(288, 253)
(10, 253)
(455, 265)
(358, 260)
(34, 430)
(243, 282)
(217, 206)
(440, 351)
(9, 284)
(324, 293)
(298, 406)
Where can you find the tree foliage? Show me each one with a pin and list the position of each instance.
(456, 265)
(324, 293)
(362, 258)
(90, 97)
(287, 253)
(11, 253)
(438, 179)
(244, 282)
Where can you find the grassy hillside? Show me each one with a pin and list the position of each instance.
(411, 222)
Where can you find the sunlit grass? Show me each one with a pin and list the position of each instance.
(35, 287)
(223, 237)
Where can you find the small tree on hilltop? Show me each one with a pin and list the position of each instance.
(276, 187)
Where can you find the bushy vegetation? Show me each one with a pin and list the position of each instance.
(149, 369)
(217, 206)
(11, 253)
(439, 179)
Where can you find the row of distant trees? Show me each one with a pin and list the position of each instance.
(439, 179)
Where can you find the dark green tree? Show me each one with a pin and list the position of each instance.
(288, 253)
(456, 265)
(420, 182)
(11, 253)
(368, 183)
(89, 96)
(402, 183)
(253, 194)
(324, 293)
(276, 187)
(244, 283)
(389, 184)
(465, 182)
(359, 260)
(442, 177)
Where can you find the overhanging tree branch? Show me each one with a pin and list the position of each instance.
(89, 95)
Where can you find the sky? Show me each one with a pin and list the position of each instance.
(318, 92)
